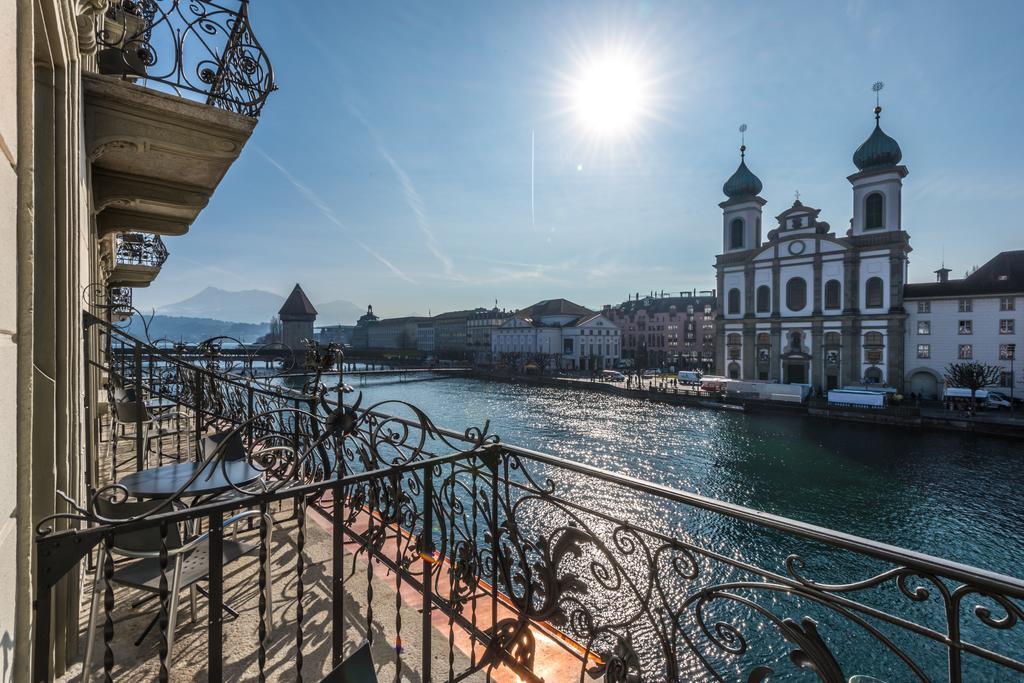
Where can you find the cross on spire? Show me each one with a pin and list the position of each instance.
(797, 194)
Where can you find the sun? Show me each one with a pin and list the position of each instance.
(610, 94)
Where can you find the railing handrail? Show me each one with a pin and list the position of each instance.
(913, 559)
(924, 562)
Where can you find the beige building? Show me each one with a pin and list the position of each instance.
(96, 168)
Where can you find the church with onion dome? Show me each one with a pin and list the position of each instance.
(799, 302)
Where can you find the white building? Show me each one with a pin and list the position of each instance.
(807, 305)
(566, 335)
(977, 318)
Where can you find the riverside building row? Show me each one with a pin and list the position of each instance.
(804, 305)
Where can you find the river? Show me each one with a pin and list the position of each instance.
(957, 496)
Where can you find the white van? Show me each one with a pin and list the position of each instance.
(690, 377)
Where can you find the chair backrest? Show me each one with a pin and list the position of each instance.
(356, 668)
(142, 540)
(129, 411)
(230, 443)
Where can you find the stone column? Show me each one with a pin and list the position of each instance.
(895, 345)
(776, 297)
(816, 307)
(775, 352)
(896, 282)
(849, 371)
(851, 284)
(817, 355)
(749, 350)
(750, 305)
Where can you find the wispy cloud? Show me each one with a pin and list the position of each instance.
(412, 198)
(328, 213)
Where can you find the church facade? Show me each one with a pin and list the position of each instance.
(802, 304)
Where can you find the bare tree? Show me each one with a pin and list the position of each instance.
(973, 376)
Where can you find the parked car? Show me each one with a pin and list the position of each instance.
(613, 376)
(650, 374)
(1005, 396)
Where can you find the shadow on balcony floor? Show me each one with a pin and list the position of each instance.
(240, 635)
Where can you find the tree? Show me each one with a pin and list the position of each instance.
(972, 375)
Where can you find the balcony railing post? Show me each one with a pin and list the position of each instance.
(337, 573)
(198, 416)
(427, 554)
(215, 607)
(140, 441)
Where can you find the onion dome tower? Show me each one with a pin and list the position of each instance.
(878, 183)
(741, 212)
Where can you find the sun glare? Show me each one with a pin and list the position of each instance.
(610, 94)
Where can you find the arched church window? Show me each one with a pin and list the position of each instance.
(873, 339)
(763, 339)
(832, 339)
(734, 301)
(734, 339)
(832, 294)
(764, 299)
(873, 294)
(796, 294)
(874, 211)
(736, 234)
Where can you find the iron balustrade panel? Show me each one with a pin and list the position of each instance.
(201, 47)
(140, 249)
(648, 582)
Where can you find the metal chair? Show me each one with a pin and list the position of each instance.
(154, 426)
(190, 558)
(356, 668)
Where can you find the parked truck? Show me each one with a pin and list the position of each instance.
(768, 391)
(860, 398)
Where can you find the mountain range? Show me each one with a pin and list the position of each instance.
(253, 306)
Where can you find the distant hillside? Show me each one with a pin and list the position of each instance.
(253, 306)
(189, 329)
(249, 306)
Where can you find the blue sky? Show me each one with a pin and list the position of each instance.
(393, 166)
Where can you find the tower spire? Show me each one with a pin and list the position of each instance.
(743, 141)
(877, 88)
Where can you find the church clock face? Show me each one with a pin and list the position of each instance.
(796, 248)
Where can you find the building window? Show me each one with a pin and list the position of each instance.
(873, 292)
(736, 234)
(1006, 326)
(1007, 351)
(874, 211)
(734, 301)
(924, 350)
(707, 309)
(873, 345)
(965, 352)
(924, 327)
(924, 306)
(796, 294)
(764, 299)
(832, 295)
(965, 306)
(1006, 303)
(965, 327)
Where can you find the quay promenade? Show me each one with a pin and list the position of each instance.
(930, 416)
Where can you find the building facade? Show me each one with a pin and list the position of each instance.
(805, 305)
(977, 318)
(425, 336)
(395, 333)
(479, 329)
(361, 332)
(100, 164)
(335, 334)
(557, 333)
(662, 331)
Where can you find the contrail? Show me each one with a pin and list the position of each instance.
(329, 214)
(533, 158)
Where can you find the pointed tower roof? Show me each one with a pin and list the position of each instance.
(297, 304)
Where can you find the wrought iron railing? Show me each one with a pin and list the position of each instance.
(191, 46)
(643, 582)
(140, 249)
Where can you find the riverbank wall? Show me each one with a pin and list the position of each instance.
(898, 416)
